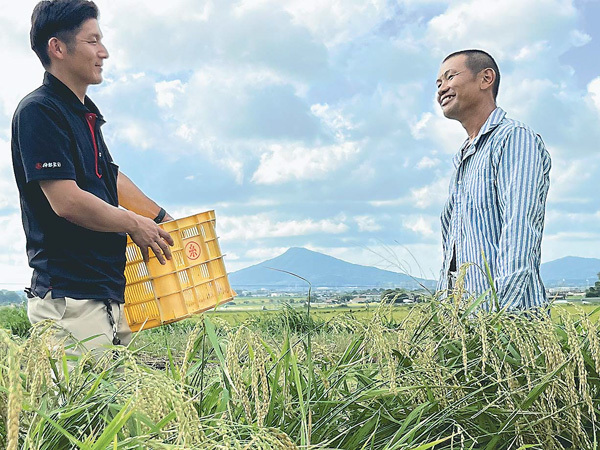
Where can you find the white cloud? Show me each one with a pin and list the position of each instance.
(12, 238)
(313, 102)
(389, 203)
(585, 236)
(579, 38)
(166, 92)
(333, 119)
(14, 270)
(532, 50)
(232, 256)
(524, 97)
(221, 208)
(236, 79)
(25, 72)
(9, 195)
(262, 226)
(264, 253)
(296, 162)
(186, 34)
(253, 202)
(367, 223)
(508, 29)
(136, 134)
(568, 175)
(235, 166)
(418, 127)
(365, 172)
(232, 106)
(593, 90)
(336, 21)
(447, 135)
(19, 13)
(580, 223)
(252, 256)
(424, 197)
(420, 225)
(431, 194)
(428, 163)
(185, 132)
(564, 245)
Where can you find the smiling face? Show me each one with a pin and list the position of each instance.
(458, 88)
(85, 56)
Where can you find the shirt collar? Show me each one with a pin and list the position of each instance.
(494, 119)
(69, 97)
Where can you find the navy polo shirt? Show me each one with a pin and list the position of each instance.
(56, 137)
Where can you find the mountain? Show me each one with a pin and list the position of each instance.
(321, 270)
(570, 271)
(326, 271)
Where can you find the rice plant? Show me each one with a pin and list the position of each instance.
(448, 376)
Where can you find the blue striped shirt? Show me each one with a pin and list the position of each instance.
(496, 208)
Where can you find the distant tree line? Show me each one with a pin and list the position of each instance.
(400, 295)
(10, 297)
(594, 291)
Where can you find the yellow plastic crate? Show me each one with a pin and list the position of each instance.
(194, 280)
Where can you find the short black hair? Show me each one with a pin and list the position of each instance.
(61, 19)
(478, 60)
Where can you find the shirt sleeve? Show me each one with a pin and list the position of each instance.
(44, 143)
(522, 183)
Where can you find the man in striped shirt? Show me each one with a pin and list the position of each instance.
(496, 204)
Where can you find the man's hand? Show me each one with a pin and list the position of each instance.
(146, 234)
(80, 207)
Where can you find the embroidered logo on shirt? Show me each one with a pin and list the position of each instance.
(47, 165)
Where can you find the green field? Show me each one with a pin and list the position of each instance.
(238, 314)
(428, 376)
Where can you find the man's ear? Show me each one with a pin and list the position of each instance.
(56, 48)
(488, 77)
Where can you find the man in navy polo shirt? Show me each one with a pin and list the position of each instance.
(70, 188)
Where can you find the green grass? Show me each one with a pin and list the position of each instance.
(155, 341)
(365, 313)
(360, 312)
(14, 319)
(391, 378)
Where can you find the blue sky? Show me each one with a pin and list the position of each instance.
(313, 123)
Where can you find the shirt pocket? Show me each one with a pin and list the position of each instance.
(480, 191)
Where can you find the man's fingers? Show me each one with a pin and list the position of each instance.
(165, 248)
(166, 236)
(158, 252)
(145, 255)
(158, 242)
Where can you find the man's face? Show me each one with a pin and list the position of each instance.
(458, 89)
(85, 56)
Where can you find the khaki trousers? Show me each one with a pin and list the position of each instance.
(81, 320)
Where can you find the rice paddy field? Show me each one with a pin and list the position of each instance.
(436, 375)
(364, 313)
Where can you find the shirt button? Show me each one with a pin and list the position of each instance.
(459, 182)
